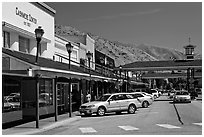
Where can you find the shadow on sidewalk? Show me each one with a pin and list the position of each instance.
(43, 119)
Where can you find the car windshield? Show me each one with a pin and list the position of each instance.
(181, 93)
(103, 98)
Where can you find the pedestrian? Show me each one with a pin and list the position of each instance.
(88, 97)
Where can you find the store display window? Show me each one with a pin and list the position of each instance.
(11, 97)
(46, 93)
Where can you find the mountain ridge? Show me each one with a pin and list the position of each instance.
(124, 53)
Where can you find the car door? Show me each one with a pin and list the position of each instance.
(124, 102)
(113, 104)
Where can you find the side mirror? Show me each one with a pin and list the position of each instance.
(110, 100)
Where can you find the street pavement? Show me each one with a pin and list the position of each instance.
(154, 120)
(44, 125)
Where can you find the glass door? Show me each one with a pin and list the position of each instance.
(62, 97)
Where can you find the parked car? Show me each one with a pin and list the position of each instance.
(171, 93)
(145, 91)
(144, 99)
(199, 92)
(161, 91)
(148, 94)
(181, 96)
(155, 93)
(116, 102)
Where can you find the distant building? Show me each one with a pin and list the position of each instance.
(189, 50)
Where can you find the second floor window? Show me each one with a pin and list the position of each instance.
(23, 44)
(6, 39)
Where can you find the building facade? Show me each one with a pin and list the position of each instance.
(19, 21)
(32, 89)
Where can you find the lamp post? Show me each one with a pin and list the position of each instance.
(69, 50)
(89, 56)
(38, 34)
(120, 78)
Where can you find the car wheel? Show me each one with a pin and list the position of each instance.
(101, 111)
(131, 109)
(145, 104)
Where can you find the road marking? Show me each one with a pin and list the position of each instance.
(200, 124)
(167, 126)
(88, 130)
(127, 128)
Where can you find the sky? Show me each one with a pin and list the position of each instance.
(163, 24)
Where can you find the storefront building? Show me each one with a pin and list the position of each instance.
(30, 88)
(19, 21)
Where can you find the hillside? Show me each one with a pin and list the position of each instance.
(124, 53)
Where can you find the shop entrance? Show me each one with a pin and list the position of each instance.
(62, 97)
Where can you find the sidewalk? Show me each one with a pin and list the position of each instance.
(44, 125)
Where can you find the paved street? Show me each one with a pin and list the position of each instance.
(161, 118)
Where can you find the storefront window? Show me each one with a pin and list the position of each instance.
(6, 36)
(61, 88)
(11, 98)
(23, 44)
(46, 93)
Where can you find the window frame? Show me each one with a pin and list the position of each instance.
(27, 46)
(6, 41)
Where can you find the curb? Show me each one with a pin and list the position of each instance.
(46, 127)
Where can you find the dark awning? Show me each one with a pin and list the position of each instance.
(49, 68)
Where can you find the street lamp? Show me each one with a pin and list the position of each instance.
(69, 50)
(89, 56)
(38, 34)
(120, 78)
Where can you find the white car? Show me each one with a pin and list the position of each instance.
(155, 93)
(116, 102)
(144, 99)
(147, 94)
(181, 96)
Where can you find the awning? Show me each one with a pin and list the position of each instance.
(48, 68)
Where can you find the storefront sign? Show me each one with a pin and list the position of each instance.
(26, 16)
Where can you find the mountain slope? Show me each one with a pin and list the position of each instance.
(161, 53)
(124, 53)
